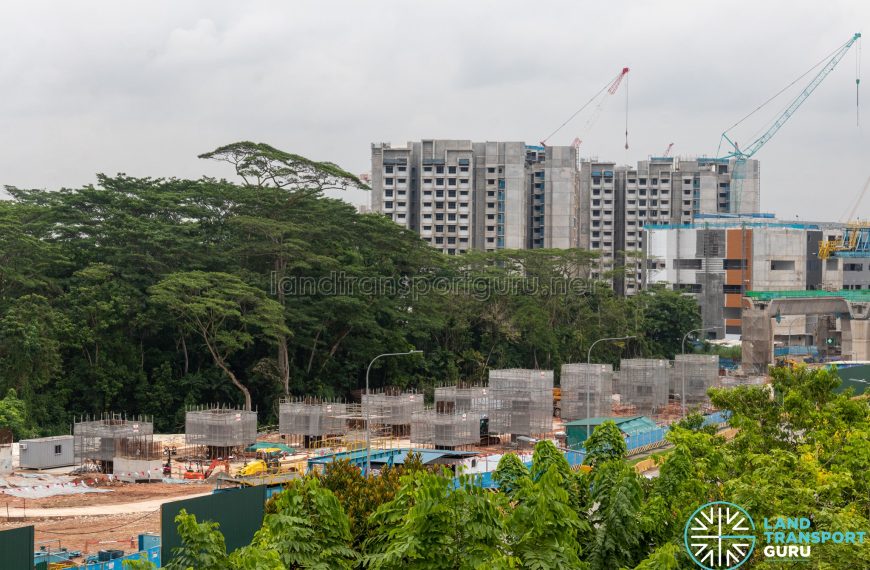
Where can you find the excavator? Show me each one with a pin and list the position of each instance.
(191, 474)
(266, 459)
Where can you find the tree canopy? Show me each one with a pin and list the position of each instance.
(146, 295)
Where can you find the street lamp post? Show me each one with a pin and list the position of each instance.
(588, 362)
(366, 407)
(683, 391)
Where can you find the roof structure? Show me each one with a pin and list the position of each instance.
(630, 424)
(849, 295)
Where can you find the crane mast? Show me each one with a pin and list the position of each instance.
(755, 146)
(741, 156)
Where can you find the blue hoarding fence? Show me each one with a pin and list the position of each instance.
(152, 555)
(635, 442)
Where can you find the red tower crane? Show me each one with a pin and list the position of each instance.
(610, 88)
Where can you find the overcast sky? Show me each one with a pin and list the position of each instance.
(142, 88)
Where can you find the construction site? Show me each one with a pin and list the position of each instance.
(121, 471)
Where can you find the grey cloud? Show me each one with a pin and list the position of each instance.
(101, 86)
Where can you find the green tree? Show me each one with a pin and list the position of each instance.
(13, 414)
(543, 526)
(433, 523)
(224, 311)
(667, 317)
(307, 528)
(618, 496)
(509, 472)
(605, 444)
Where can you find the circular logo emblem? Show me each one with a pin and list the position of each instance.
(720, 536)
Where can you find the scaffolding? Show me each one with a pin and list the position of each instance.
(450, 399)
(305, 421)
(450, 430)
(354, 417)
(700, 372)
(98, 441)
(218, 432)
(520, 402)
(392, 410)
(582, 381)
(644, 384)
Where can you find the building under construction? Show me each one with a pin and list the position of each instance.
(393, 411)
(97, 442)
(520, 402)
(449, 399)
(445, 430)
(306, 422)
(217, 432)
(586, 390)
(692, 375)
(644, 384)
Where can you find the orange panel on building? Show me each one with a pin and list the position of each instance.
(738, 245)
(734, 299)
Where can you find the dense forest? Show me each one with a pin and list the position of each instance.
(799, 450)
(144, 296)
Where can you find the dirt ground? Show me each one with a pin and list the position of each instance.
(120, 493)
(90, 534)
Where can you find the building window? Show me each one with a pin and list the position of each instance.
(451, 170)
(58, 450)
(688, 287)
(439, 182)
(734, 264)
(388, 181)
(451, 182)
(853, 267)
(732, 289)
(388, 169)
(491, 170)
(781, 265)
(439, 170)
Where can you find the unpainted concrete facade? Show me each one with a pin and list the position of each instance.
(459, 194)
(847, 321)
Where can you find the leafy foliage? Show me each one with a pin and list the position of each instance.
(308, 528)
(605, 444)
(509, 472)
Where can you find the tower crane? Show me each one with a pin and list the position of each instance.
(610, 88)
(667, 152)
(741, 155)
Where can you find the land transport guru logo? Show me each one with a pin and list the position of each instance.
(719, 536)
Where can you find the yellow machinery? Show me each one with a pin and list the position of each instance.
(856, 238)
(256, 467)
(267, 459)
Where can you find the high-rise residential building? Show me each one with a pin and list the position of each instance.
(617, 202)
(459, 194)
